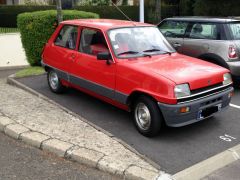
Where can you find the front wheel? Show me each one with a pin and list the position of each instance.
(147, 116)
(54, 82)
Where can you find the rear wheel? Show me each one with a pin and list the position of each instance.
(147, 116)
(54, 82)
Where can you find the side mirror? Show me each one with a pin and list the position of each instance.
(104, 56)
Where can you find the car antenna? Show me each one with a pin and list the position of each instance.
(128, 18)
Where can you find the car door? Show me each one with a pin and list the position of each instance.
(88, 72)
(201, 38)
(63, 50)
(174, 31)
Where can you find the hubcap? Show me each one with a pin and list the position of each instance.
(142, 116)
(53, 79)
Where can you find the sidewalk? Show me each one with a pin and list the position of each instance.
(45, 125)
(11, 51)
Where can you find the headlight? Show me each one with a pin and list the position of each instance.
(182, 90)
(227, 79)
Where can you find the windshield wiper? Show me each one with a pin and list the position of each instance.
(154, 49)
(128, 52)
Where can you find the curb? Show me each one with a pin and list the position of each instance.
(73, 152)
(208, 166)
(13, 67)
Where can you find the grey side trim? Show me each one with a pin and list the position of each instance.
(62, 74)
(101, 90)
(120, 97)
(92, 86)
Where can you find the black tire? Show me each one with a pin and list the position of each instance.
(153, 127)
(55, 86)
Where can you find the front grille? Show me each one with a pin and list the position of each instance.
(196, 91)
(203, 92)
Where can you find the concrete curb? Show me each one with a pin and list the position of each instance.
(208, 166)
(13, 67)
(71, 151)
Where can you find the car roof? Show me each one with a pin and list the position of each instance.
(204, 19)
(104, 24)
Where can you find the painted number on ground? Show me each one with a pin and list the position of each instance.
(227, 138)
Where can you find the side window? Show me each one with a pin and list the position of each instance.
(204, 31)
(67, 37)
(92, 42)
(173, 29)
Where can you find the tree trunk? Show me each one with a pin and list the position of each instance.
(158, 10)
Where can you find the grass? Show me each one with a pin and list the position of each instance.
(30, 71)
(8, 30)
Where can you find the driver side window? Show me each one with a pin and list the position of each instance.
(173, 29)
(92, 42)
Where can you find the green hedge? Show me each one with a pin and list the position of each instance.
(217, 8)
(37, 27)
(9, 13)
(110, 12)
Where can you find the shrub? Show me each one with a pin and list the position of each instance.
(37, 27)
(110, 12)
(9, 13)
(216, 8)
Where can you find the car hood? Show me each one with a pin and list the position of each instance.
(181, 69)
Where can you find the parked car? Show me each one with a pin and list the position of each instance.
(216, 40)
(132, 66)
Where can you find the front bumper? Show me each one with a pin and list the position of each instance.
(174, 118)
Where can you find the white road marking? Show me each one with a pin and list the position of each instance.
(236, 106)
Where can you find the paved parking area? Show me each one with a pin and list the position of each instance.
(174, 149)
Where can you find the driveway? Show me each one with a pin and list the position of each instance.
(174, 149)
(11, 51)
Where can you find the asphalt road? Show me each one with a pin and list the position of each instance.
(22, 162)
(174, 149)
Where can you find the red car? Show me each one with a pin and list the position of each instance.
(132, 66)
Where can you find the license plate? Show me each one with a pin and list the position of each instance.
(203, 113)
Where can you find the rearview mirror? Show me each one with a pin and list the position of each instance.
(104, 56)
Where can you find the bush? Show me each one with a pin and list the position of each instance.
(216, 8)
(9, 13)
(37, 27)
(110, 12)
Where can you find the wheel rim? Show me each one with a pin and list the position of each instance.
(53, 80)
(142, 116)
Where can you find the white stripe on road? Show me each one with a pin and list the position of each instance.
(236, 106)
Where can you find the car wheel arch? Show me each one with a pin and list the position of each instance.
(135, 95)
(213, 58)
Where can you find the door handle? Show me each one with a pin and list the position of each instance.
(176, 45)
(73, 56)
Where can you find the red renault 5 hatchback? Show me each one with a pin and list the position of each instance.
(132, 66)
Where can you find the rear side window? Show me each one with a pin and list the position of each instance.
(235, 30)
(204, 31)
(173, 29)
(67, 37)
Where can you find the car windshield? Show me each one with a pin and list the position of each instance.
(138, 41)
(235, 29)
